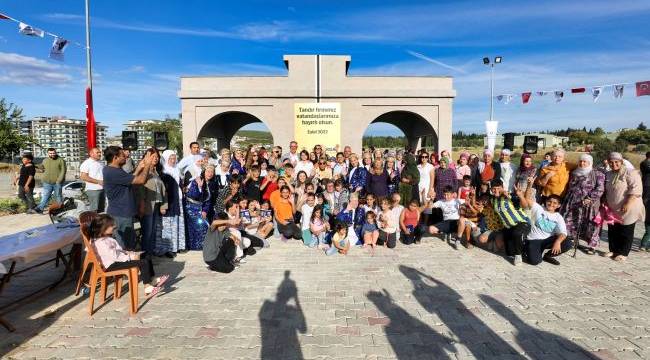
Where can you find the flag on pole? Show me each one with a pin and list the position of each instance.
(577, 90)
(91, 135)
(596, 91)
(30, 30)
(58, 47)
(4, 17)
(525, 97)
(559, 95)
(618, 90)
(643, 88)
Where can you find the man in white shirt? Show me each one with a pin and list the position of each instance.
(190, 159)
(91, 174)
(508, 171)
(292, 155)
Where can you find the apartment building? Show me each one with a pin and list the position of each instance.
(144, 136)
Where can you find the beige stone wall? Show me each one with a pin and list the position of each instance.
(271, 98)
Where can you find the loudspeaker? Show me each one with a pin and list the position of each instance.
(530, 144)
(130, 140)
(160, 140)
(509, 141)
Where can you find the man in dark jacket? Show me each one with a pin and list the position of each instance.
(487, 170)
(219, 248)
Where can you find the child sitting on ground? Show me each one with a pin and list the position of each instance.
(450, 214)
(112, 257)
(318, 227)
(340, 243)
(261, 223)
(370, 231)
(468, 222)
(408, 223)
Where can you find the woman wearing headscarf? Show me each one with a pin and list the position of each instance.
(393, 174)
(486, 170)
(173, 224)
(197, 207)
(623, 190)
(409, 180)
(582, 203)
(445, 176)
(554, 177)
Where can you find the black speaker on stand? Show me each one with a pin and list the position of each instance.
(509, 141)
(530, 144)
(130, 140)
(160, 140)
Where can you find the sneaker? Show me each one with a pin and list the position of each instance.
(267, 243)
(31, 212)
(550, 259)
(517, 260)
(456, 244)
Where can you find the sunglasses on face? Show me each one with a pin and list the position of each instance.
(424, 157)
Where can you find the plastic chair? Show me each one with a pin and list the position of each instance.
(99, 274)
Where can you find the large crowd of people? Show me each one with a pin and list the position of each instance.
(231, 204)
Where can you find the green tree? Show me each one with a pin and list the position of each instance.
(599, 131)
(642, 127)
(173, 129)
(634, 136)
(10, 139)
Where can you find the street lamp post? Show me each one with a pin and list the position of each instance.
(486, 61)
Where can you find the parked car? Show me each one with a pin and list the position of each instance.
(73, 189)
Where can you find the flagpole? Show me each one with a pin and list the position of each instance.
(491, 91)
(91, 134)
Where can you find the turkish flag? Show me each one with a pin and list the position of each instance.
(577, 90)
(643, 88)
(525, 97)
(91, 133)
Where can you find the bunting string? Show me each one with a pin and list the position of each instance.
(59, 44)
(642, 89)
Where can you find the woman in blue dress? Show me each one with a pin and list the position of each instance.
(197, 206)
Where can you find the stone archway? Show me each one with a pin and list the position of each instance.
(417, 130)
(225, 125)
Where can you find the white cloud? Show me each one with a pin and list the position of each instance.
(27, 70)
(436, 62)
(135, 69)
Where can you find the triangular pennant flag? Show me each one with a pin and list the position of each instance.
(525, 97)
(508, 98)
(578, 90)
(500, 97)
(559, 95)
(505, 98)
(618, 90)
(59, 45)
(596, 91)
(4, 17)
(643, 88)
(30, 30)
(541, 93)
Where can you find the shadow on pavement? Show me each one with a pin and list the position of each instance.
(538, 344)
(280, 323)
(408, 336)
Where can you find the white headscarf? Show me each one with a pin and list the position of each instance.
(580, 171)
(173, 171)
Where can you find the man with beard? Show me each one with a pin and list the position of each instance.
(52, 179)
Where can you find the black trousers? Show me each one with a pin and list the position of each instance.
(414, 236)
(290, 230)
(533, 249)
(514, 238)
(224, 261)
(620, 238)
(145, 265)
(256, 242)
(385, 238)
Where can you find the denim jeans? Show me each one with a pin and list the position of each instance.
(149, 230)
(27, 197)
(124, 232)
(332, 251)
(48, 189)
(96, 199)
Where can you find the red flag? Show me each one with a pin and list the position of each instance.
(4, 17)
(91, 133)
(525, 97)
(643, 88)
(577, 90)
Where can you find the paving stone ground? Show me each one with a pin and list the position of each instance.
(425, 301)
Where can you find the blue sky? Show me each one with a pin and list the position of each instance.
(140, 48)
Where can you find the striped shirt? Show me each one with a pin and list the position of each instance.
(509, 214)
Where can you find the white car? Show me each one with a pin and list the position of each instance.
(73, 189)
